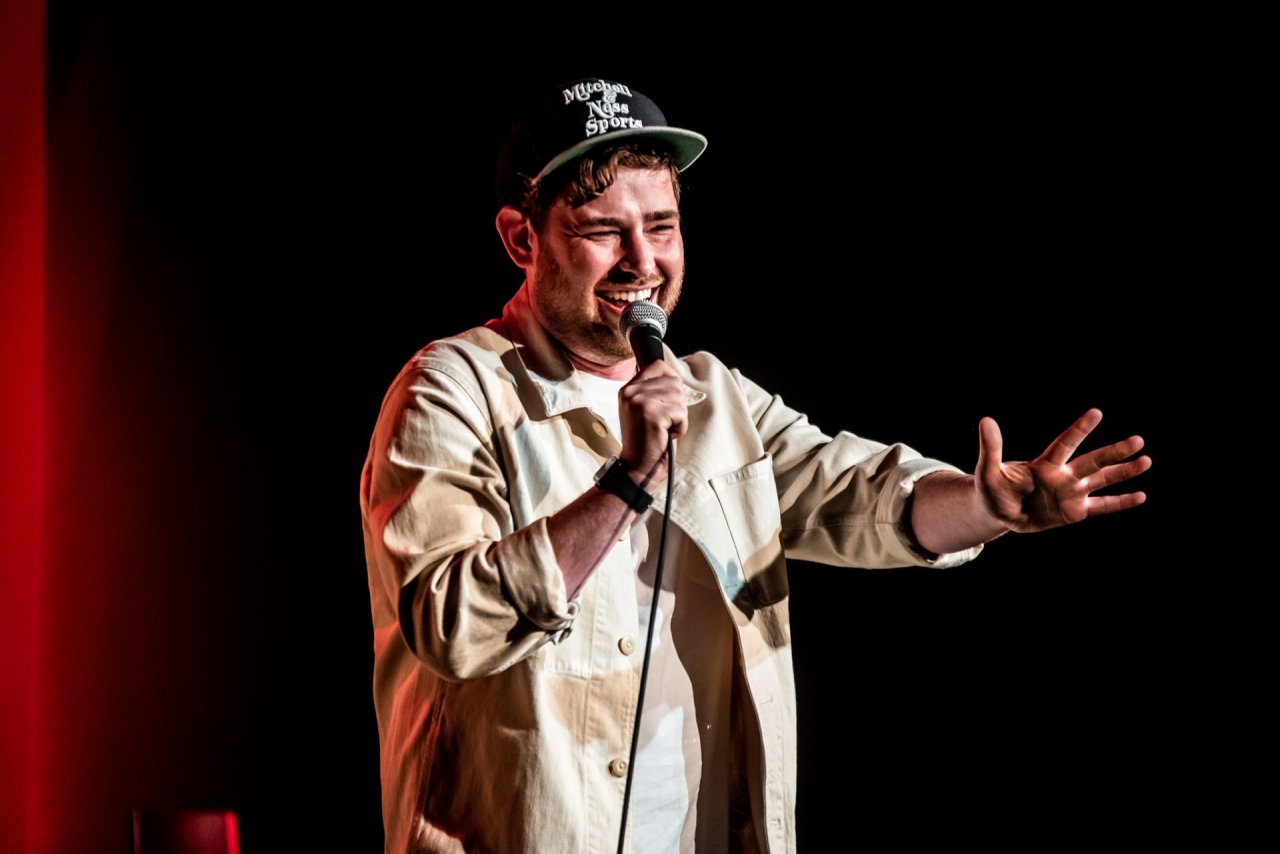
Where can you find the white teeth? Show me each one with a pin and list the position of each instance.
(628, 296)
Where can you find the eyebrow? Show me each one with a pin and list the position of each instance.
(613, 222)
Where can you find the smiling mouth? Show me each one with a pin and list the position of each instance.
(621, 299)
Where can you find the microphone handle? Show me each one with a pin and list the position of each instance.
(646, 341)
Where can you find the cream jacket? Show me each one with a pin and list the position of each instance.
(505, 709)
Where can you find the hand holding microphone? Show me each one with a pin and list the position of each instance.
(652, 404)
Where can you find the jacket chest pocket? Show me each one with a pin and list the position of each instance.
(749, 500)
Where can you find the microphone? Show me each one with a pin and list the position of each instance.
(643, 324)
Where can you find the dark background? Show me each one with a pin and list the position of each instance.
(256, 218)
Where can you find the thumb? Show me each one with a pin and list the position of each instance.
(990, 449)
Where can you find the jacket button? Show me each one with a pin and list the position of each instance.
(618, 767)
(626, 645)
(600, 429)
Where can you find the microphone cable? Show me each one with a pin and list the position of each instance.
(648, 641)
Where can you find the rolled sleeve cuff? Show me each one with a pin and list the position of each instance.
(892, 513)
(535, 583)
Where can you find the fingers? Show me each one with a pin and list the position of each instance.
(1117, 474)
(1102, 504)
(657, 393)
(1061, 448)
(1096, 460)
(652, 406)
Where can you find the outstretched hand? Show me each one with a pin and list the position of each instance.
(1053, 489)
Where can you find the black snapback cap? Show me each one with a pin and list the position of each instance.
(561, 124)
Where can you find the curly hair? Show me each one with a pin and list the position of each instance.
(588, 177)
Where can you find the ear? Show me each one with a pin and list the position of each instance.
(517, 236)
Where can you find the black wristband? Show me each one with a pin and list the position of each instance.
(613, 477)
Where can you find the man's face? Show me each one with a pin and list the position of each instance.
(590, 261)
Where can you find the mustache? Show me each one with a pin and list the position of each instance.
(620, 278)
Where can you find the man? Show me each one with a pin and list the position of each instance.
(514, 501)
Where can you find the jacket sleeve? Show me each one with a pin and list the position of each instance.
(844, 500)
(470, 594)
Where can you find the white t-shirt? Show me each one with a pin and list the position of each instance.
(680, 787)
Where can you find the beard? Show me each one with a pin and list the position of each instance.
(573, 318)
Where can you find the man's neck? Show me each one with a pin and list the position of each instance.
(623, 370)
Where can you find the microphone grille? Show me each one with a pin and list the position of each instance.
(642, 311)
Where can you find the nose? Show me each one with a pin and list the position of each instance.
(638, 257)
